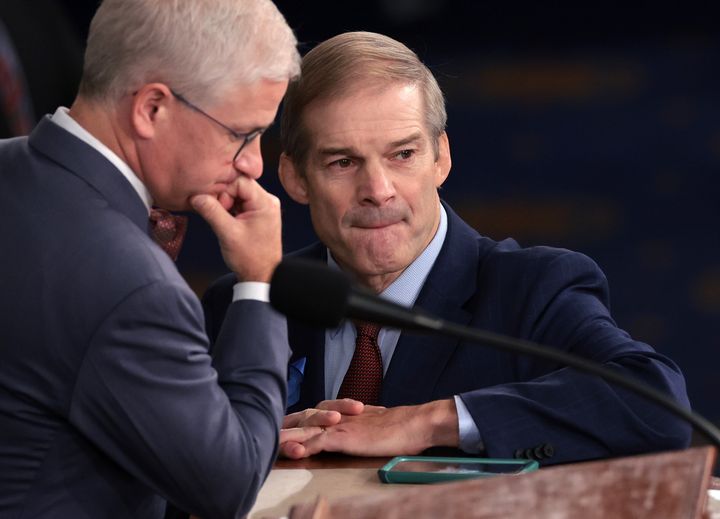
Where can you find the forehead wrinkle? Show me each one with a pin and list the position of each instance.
(365, 122)
(410, 139)
(353, 149)
(335, 151)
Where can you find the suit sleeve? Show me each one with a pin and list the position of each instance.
(215, 304)
(563, 304)
(201, 431)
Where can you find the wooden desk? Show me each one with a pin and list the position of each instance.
(334, 476)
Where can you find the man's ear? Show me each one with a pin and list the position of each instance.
(150, 109)
(443, 162)
(292, 180)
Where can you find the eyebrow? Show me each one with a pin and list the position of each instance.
(335, 151)
(253, 130)
(407, 140)
(414, 137)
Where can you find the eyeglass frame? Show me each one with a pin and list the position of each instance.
(247, 137)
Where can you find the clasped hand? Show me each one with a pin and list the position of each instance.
(246, 220)
(350, 427)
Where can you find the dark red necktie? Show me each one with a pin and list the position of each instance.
(363, 379)
(168, 230)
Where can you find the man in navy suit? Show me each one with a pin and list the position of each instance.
(364, 145)
(109, 401)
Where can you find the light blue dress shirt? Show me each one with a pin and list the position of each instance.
(340, 341)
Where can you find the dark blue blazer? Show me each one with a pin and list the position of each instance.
(522, 406)
(109, 401)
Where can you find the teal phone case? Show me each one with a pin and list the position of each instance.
(471, 468)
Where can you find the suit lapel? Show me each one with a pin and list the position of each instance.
(309, 342)
(419, 360)
(84, 161)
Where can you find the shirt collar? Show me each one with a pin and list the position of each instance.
(406, 288)
(62, 118)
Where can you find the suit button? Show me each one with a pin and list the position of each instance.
(518, 454)
(539, 452)
(548, 450)
(529, 454)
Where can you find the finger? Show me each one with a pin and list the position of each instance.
(346, 406)
(292, 450)
(375, 408)
(312, 417)
(211, 210)
(226, 200)
(327, 441)
(246, 194)
(292, 420)
(291, 445)
(298, 419)
(299, 434)
(322, 418)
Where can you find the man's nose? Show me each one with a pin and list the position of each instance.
(376, 184)
(250, 162)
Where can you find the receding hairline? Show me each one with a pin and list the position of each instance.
(351, 62)
(375, 86)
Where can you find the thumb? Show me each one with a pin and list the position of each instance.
(211, 210)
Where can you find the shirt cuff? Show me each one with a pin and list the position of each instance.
(470, 439)
(251, 290)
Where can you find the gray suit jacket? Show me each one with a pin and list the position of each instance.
(109, 401)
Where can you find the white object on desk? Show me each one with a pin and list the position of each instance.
(286, 487)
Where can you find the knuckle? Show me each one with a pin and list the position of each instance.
(307, 413)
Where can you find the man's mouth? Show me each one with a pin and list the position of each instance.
(381, 224)
(227, 181)
(372, 219)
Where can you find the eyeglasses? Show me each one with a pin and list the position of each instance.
(244, 137)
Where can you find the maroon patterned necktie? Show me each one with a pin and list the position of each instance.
(168, 230)
(363, 379)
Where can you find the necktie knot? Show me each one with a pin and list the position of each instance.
(368, 330)
(168, 230)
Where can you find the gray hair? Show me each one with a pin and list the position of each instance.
(200, 48)
(346, 63)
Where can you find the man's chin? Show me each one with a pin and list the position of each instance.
(378, 263)
(173, 205)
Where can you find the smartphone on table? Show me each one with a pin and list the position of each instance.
(429, 469)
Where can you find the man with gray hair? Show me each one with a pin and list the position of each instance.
(109, 401)
(365, 147)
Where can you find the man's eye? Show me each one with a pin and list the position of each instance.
(342, 163)
(405, 154)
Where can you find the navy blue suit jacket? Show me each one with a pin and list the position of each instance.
(109, 401)
(522, 406)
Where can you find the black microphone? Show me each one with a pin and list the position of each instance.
(315, 294)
